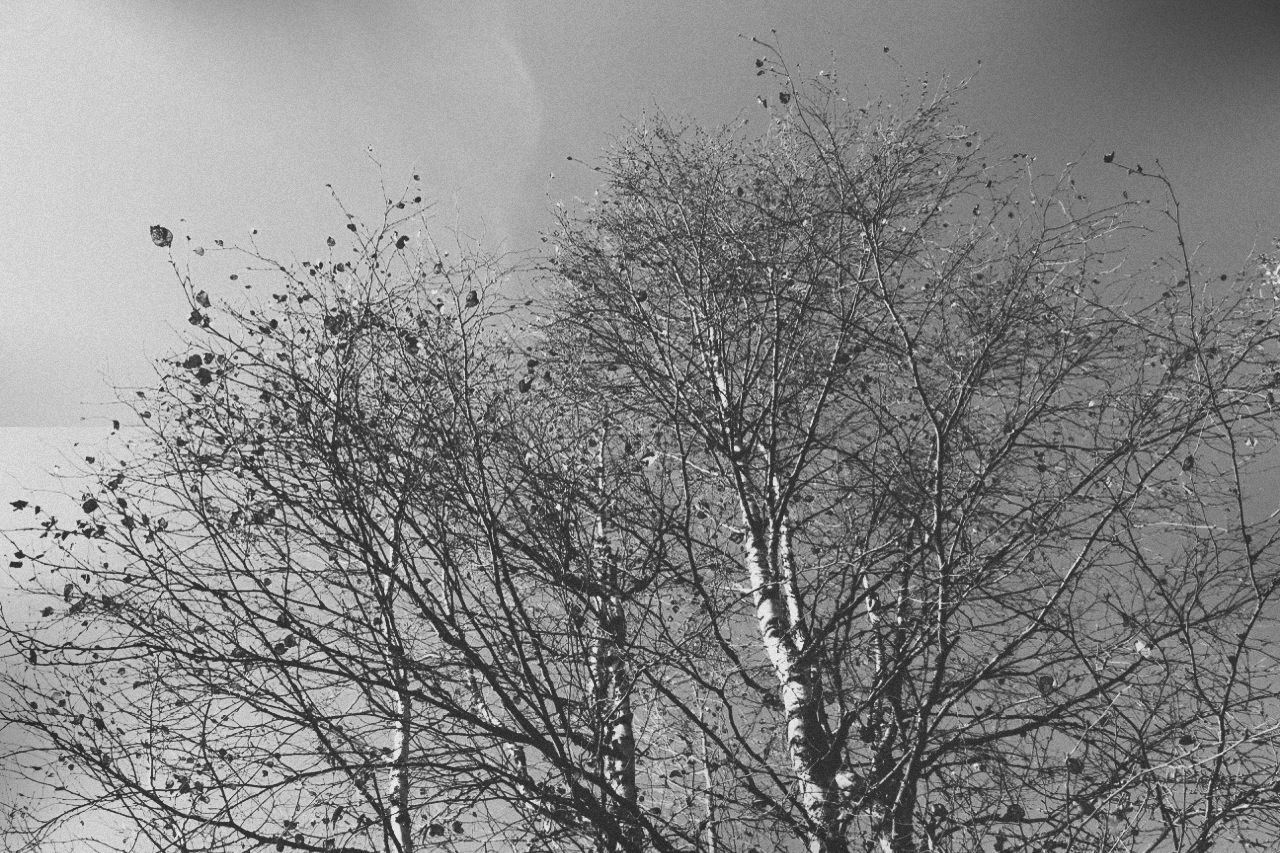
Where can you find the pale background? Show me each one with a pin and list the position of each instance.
(234, 115)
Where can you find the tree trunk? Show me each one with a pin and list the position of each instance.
(708, 779)
(895, 832)
(815, 758)
(400, 781)
(401, 749)
(613, 702)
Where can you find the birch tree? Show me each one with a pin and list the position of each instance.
(350, 587)
(986, 492)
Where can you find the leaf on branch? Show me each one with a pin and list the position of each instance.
(161, 236)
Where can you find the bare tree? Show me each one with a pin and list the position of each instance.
(356, 589)
(987, 495)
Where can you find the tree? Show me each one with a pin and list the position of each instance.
(988, 493)
(339, 598)
(843, 489)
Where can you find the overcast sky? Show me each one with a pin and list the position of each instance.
(234, 115)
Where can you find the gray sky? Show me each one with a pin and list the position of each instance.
(234, 115)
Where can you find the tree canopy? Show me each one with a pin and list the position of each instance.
(840, 486)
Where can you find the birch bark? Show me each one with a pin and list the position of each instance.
(401, 746)
(814, 755)
(612, 687)
(617, 759)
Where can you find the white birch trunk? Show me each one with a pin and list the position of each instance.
(617, 762)
(400, 771)
(783, 633)
(709, 781)
(611, 683)
(517, 762)
(778, 615)
(399, 783)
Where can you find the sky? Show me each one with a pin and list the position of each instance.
(216, 118)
